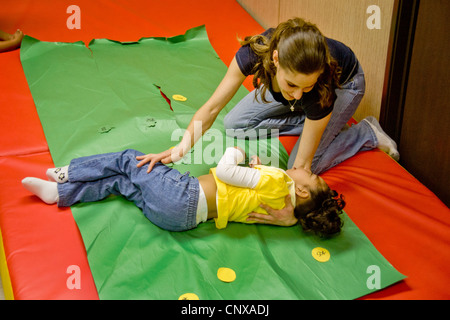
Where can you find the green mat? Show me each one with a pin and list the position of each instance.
(108, 98)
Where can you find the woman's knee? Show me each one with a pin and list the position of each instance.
(240, 116)
(231, 121)
(245, 112)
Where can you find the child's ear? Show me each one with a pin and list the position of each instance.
(302, 192)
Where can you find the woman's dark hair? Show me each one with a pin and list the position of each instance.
(301, 48)
(321, 214)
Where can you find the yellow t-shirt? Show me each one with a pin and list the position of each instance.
(235, 203)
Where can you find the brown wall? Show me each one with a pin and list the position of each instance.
(425, 131)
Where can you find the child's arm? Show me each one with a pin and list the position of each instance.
(229, 172)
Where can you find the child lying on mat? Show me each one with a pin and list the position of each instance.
(178, 202)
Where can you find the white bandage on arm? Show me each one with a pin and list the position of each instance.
(229, 172)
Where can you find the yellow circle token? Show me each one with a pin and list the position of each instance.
(179, 97)
(226, 274)
(321, 254)
(188, 296)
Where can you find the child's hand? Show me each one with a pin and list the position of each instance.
(255, 161)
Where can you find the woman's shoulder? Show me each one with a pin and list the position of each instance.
(345, 57)
(339, 49)
(246, 58)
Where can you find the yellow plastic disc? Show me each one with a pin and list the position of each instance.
(188, 296)
(226, 274)
(321, 254)
(179, 97)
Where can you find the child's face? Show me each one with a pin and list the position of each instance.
(303, 177)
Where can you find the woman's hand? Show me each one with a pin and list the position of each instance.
(310, 140)
(171, 155)
(283, 217)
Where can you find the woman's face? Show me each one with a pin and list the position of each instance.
(292, 85)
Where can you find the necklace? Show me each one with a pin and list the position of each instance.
(292, 105)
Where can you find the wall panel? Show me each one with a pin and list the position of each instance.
(265, 12)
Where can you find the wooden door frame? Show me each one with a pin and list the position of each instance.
(397, 67)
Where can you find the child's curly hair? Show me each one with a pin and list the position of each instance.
(321, 214)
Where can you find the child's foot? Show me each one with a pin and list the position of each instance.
(47, 191)
(59, 175)
(10, 41)
(17, 37)
(385, 143)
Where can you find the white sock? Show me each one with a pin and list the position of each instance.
(47, 191)
(59, 175)
(385, 143)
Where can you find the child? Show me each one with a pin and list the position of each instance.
(10, 41)
(178, 202)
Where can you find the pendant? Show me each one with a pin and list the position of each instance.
(292, 105)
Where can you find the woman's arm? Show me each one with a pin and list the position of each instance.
(203, 118)
(283, 217)
(309, 141)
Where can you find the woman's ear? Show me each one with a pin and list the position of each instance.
(275, 58)
(302, 192)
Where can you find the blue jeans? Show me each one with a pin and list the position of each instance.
(335, 146)
(166, 197)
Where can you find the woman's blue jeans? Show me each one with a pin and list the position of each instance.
(167, 198)
(335, 145)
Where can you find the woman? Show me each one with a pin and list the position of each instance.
(306, 85)
(311, 87)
